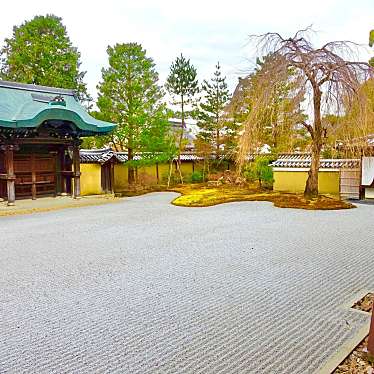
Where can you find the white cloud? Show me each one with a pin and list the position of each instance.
(205, 31)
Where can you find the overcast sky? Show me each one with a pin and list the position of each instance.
(206, 31)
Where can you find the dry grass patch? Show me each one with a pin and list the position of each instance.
(202, 196)
(357, 362)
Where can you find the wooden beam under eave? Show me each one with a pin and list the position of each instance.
(43, 141)
(76, 171)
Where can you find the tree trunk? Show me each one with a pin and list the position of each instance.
(204, 169)
(130, 169)
(311, 187)
(181, 142)
(217, 124)
(217, 143)
(217, 135)
(170, 170)
(275, 136)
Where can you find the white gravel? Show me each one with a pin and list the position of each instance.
(142, 286)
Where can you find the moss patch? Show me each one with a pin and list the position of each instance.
(202, 196)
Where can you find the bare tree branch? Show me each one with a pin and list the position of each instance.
(330, 77)
(309, 128)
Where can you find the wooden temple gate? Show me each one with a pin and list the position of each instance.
(40, 131)
(31, 168)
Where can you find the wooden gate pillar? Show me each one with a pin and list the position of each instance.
(111, 175)
(60, 158)
(76, 171)
(371, 336)
(10, 176)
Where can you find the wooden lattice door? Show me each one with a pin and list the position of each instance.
(35, 175)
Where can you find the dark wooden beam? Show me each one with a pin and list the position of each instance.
(9, 167)
(43, 141)
(111, 176)
(60, 167)
(33, 177)
(76, 171)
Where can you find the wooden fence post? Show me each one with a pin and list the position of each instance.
(371, 336)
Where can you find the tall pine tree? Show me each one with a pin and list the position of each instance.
(213, 126)
(182, 85)
(130, 96)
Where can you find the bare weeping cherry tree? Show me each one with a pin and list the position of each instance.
(324, 77)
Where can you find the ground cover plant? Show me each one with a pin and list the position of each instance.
(202, 196)
(230, 187)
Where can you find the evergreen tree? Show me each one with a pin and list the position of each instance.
(130, 96)
(212, 124)
(182, 85)
(40, 52)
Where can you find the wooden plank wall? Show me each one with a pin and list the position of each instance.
(350, 181)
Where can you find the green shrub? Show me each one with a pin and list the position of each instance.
(196, 177)
(260, 171)
(174, 178)
(326, 153)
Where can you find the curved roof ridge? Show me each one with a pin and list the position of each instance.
(19, 109)
(37, 88)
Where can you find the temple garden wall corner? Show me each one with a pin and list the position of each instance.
(338, 177)
(106, 171)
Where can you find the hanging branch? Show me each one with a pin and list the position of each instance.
(327, 77)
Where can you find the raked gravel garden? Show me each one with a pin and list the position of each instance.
(144, 286)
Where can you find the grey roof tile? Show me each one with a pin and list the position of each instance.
(101, 156)
(303, 160)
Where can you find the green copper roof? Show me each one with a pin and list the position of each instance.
(28, 106)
